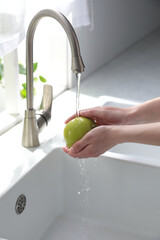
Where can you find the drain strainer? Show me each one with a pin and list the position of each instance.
(20, 204)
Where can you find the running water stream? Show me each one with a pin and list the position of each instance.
(84, 196)
(78, 80)
(85, 181)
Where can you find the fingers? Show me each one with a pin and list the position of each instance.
(70, 118)
(73, 152)
(81, 149)
(86, 152)
(82, 113)
(92, 113)
(77, 148)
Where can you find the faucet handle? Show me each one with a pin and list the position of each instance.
(44, 111)
(47, 98)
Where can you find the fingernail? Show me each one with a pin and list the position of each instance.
(72, 149)
(65, 148)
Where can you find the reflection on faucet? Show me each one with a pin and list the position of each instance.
(31, 125)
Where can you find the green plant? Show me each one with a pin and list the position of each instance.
(1, 70)
(22, 71)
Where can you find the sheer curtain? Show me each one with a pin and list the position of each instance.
(12, 20)
(80, 10)
(12, 32)
(11, 25)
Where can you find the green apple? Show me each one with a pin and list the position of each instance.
(76, 129)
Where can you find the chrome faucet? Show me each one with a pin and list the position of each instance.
(32, 124)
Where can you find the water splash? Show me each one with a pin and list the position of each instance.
(78, 80)
(84, 194)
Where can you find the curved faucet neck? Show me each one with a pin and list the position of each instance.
(77, 63)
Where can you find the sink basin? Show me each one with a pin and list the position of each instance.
(115, 102)
(115, 196)
(96, 198)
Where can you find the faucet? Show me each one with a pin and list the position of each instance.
(33, 124)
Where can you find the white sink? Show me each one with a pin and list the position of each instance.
(94, 199)
(113, 197)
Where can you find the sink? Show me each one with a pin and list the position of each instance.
(115, 102)
(96, 198)
(115, 196)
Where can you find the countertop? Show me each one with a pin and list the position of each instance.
(134, 75)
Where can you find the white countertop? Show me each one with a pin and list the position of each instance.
(134, 75)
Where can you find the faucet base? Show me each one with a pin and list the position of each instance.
(30, 130)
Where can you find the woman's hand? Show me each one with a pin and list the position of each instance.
(140, 124)
(102, 138)
(105, 115)
(94, 143)
(147, 112)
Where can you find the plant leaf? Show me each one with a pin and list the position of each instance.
(42, 79)
(35, 79)
(35, 65)
(22, 69)
(34, 91)
(24, 85)
(1, 71)
(23, 93)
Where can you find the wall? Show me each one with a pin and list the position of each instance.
(117, 25)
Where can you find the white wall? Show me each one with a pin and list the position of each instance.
(117, 25)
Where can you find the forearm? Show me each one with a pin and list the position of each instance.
(142, 133)
(147, 112)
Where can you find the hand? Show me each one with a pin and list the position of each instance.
(105, 115)
(100, 139)
(140, 124)
(94, 143)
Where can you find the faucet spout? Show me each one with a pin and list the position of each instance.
(31, 128)
(77, 62)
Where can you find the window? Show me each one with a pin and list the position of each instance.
(11, 33)
(50, 48)
(51, 54)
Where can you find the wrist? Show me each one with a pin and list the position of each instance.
(124, 133)
(117, 133)
(132, 116)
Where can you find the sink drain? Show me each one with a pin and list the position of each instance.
(20, 204)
